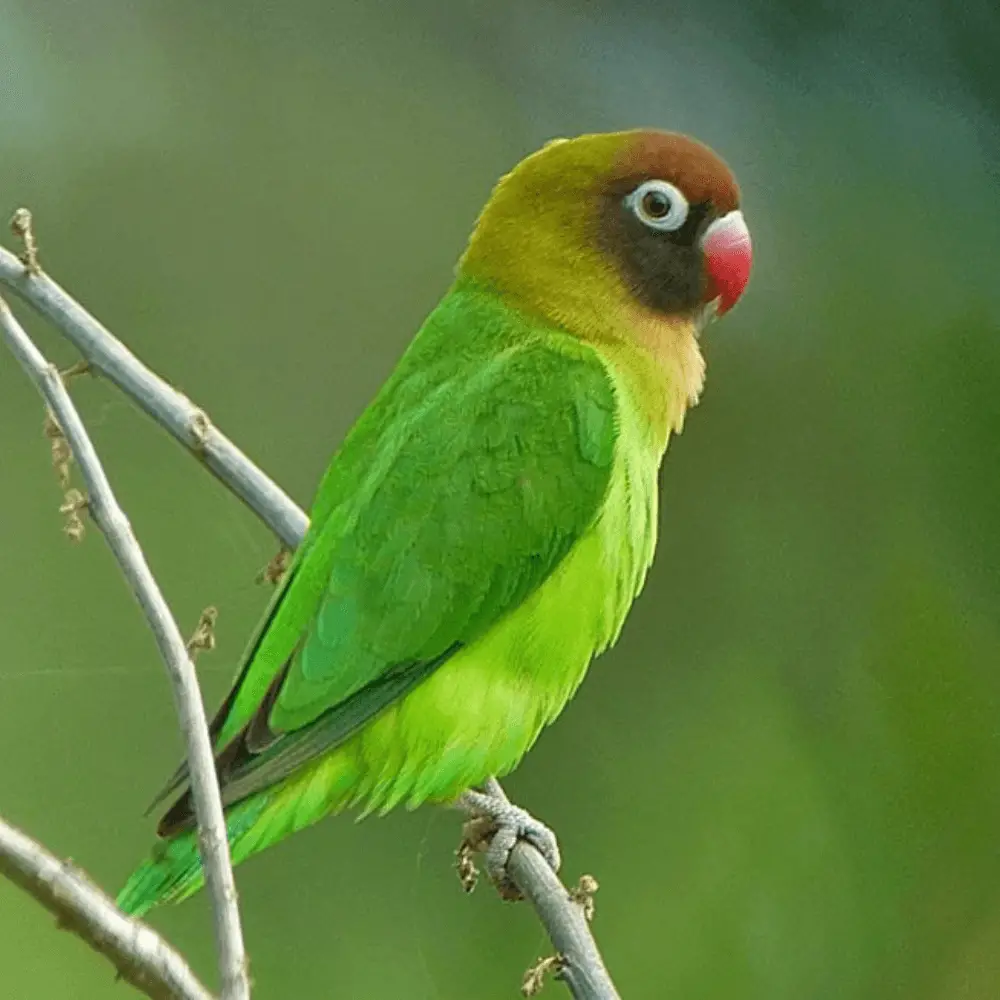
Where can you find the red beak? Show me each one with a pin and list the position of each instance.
(726, 245)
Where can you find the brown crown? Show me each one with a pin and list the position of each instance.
(699, 173)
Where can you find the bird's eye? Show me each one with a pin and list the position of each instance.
(658, 205)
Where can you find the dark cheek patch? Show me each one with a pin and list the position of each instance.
(663, 270)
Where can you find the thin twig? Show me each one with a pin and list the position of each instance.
(139, 954)
(111, 519)
(562, 918)
(168, 407)
(566, 918)
(581, 966)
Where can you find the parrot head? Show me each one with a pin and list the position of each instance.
(604, 232)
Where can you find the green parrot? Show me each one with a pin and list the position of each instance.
(485, 526)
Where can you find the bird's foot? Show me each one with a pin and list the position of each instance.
(494, 829)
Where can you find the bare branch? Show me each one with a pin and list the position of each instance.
(140, 956)
(111, 519)
(565, 922)
(563, 918)
(169, 408)
(566, 917)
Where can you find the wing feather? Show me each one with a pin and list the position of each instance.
(467, 506)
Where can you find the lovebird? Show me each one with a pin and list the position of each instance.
(485, 526)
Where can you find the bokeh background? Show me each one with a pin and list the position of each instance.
(787, 775)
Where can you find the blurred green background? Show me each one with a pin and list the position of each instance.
(787, 775)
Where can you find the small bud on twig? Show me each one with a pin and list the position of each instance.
(21, 227)
(72, 504)
(468, 873)
(534, 978)
(476, 835)
(199, 426)
(583, 895)
(274, 572)
(62, 456)
(62, 459)
(203, 637)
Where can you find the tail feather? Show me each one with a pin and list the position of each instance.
(174, 871)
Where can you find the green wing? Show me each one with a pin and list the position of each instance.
(468, 499)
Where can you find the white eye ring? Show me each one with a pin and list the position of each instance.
(658, 205)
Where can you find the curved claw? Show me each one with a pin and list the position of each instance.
(510, 824)
(518, 825)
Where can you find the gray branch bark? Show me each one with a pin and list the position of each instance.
(168, 407)
(111, 519)
(140, 956)
(564, 918)
(582, 968)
